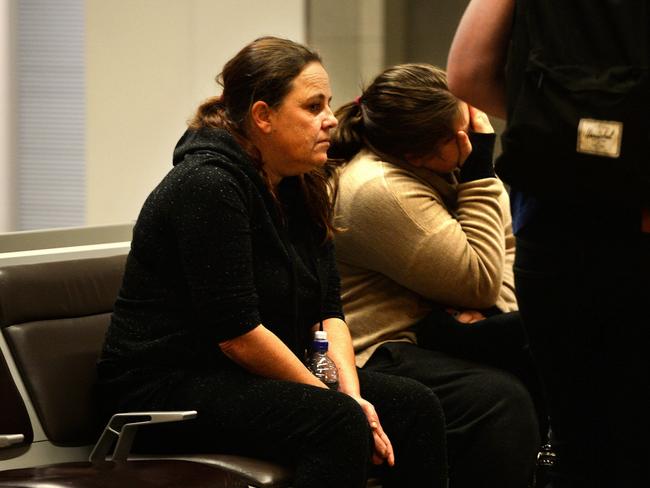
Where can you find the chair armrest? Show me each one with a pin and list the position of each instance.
(11, 439)
(121, 429)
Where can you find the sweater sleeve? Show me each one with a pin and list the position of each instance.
(479, 163)
(332, 307)
(214, 244)
(398, 226)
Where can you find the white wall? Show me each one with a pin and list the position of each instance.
(6, 175)
(359, 38)
(431, 27)
(350, 36)
(149, 64)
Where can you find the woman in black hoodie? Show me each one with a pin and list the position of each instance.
(230, 270)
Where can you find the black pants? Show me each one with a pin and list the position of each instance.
(492, 430)
(500, 340)
(583, 285)
(322, 433)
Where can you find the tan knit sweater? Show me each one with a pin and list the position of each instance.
(413, 238)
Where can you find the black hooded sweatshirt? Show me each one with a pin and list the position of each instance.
(212, 256)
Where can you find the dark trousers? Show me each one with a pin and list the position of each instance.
(583, 285)
(500, 340)
(492, 430)
(323, 434)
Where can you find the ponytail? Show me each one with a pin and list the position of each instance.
(347, 139)
(211, 113)
(407, 109)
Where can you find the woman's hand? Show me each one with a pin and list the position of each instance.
(466, 316)
(383, 448)
(342, 353)
(479, 121)
(464, 147)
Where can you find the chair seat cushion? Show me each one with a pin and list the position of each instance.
(141, 474)
(259, 473)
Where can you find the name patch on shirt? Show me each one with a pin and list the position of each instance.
(600, 137)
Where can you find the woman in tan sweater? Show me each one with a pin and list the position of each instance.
(425, 257)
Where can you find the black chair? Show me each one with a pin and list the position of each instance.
(53, 318)
(102, 471)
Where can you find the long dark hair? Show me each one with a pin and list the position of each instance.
(407, 109)
(265, 70)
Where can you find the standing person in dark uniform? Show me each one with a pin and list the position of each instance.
(571, 78)
(231, 268)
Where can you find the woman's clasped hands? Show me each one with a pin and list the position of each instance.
(383, 450)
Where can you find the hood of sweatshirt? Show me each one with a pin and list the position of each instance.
(214, 143)
(208, 140)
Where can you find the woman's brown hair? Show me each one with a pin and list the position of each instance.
(265, 70)
(407, 109)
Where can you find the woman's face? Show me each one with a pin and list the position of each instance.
(300, 126)
(450, 153)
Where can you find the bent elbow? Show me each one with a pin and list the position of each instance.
(227, 347)
(485, 292)
(236, 346)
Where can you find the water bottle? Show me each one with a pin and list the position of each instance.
(320, 364)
